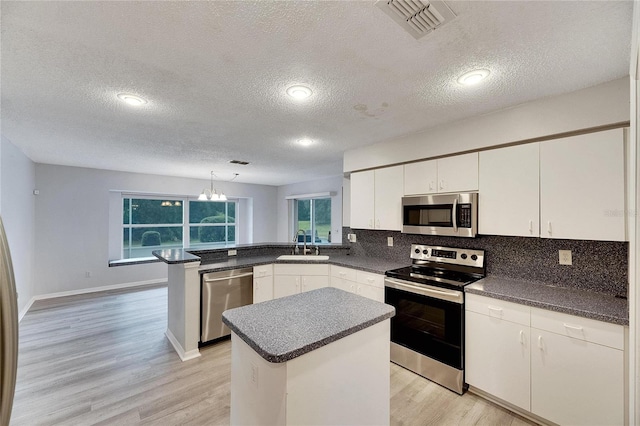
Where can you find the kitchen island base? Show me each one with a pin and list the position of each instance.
(344, 382)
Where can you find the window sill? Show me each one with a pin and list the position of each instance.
(136, 261)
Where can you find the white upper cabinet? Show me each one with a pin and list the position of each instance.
(582, 187)
(509, 191)
(362, 205)
(459, 173)
(376, 199)
(451, 174)
(421, 178)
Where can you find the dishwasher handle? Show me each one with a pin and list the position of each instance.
(211, 280)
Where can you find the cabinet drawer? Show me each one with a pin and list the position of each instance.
(344, 273)
(297, 269)
(497, 308)
(602, 333)
(262, 271)
(370, 279)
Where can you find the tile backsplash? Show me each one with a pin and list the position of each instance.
(599, 266)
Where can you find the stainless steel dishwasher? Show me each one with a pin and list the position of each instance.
(221, 291)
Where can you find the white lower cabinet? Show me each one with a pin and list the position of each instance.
(575, 377)
(497, 349)
(362, 283)
(262, 283)
(289, 279)
(563, 368)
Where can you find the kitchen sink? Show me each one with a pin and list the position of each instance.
(303, 258)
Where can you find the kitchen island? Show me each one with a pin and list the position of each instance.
(319, 357)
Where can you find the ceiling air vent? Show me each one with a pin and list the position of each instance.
(417, 17)
(242, 163)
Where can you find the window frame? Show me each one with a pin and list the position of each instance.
(185, 224)
(294, 215)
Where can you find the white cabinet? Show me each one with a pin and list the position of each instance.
(262, 283)
(582, 187)
(450, 174)
(509, 191)
(577, 369)
(362, 283)
(497, 349)
(563, 368)
(362, 205)
(291, 279)
(376, 199)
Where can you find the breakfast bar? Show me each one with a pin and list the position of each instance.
(319, 357)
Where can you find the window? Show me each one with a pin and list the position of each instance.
(151, 224)
(313, 215)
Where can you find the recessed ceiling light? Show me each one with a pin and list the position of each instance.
(473, 77)
(299, 92)
(305, 142)
(132, 100)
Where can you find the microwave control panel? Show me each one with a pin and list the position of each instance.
(464, 216)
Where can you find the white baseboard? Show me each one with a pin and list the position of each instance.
(184, 356)
(87, 291)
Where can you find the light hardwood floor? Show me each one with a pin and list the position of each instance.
(104, 359)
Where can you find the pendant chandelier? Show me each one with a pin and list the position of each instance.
(210, 194)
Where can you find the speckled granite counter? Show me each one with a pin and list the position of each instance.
(586, 304)
(282, 329)
(368, 264)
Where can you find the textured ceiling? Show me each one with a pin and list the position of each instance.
(215, 75)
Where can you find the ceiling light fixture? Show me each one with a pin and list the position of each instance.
(305, 142)
(299, 92)
(132, 100)
(210, 194)
(473, 77)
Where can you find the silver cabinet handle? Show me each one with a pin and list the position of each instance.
(573, 327)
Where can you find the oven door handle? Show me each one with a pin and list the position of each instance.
(454, 215)
(451, 296)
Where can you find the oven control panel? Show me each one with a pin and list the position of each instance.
(456, 256)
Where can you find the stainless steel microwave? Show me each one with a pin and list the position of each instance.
(441, 214)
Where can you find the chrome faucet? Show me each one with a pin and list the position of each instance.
(305, 250)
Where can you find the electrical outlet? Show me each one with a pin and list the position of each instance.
(232, 253)
(390, 241)
(353, 238)
(87, 274)
(565, 257)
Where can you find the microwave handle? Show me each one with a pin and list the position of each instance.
(454, 214)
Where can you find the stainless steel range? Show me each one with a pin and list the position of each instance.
(427, 332)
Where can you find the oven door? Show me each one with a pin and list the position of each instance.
(428, 320)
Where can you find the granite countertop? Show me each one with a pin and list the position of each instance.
(598, 306)
(375, 265)
(283, 329)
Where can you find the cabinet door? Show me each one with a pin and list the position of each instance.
(285, 285)
(421, 178)
(388, 198)
(497, 358)
(582, 187)
(362, 205)
(576, 382)
(262, 289)
(343, 284)
(313, 282)
(509, 193)
(458, 173)
(370, 292)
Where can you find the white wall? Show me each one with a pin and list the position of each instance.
(72, 223)
(17, 179)
(333, 184)
(595, 106)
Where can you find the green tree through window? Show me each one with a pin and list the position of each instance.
(151, 223)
